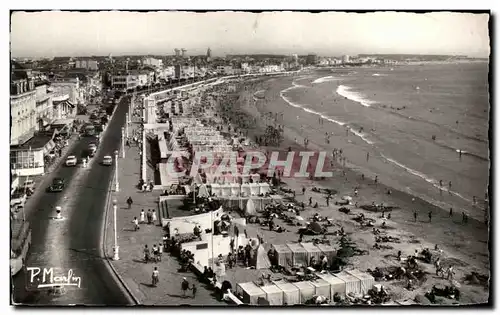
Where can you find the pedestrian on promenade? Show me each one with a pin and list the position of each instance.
(136, 223)
(184, 286)
(194, 289)
(153, 216)
(155, 276)
(130, 202)
(149, 216)
(142, 219)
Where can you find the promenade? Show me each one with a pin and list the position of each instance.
(131, 268)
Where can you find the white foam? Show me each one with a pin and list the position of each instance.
(428, 179)
(325, 79)
(379, 75)
(330, 119)
(357, 97)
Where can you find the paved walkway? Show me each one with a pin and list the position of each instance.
(131, 268)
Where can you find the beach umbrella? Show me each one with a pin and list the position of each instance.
(315, 227)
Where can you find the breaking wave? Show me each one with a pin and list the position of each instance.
(379, 75)
(325, 117)
(325, 79)
(357, 97)
(425, 177)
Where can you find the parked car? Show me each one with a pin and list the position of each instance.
(92, 147)
(18, 198)
(71, 160)
(107, 160)
(29, 186)
(57, 185)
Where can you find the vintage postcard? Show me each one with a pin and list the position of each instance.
(220, 158)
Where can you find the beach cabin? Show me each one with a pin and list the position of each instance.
(264, 188)
(352, 284)
(245, 190)
(250, 293)
(366, 280)
(226, 190)
(284, 255)
(306, 290)
(291, 294)
(328, 251)
(216, 189)
(235, 189)
(299, 254)
(255, 178)
(321, 288)
(254, 189)
(274, 295)
(337, 285)
(312, 251)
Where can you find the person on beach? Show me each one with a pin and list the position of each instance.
(362, 176)
(430, 216)
(474, 200)
(415, 215)
(155, 276)
(376, 179)
(441, 183)
(367, 156)
(184, 286)
(328, 200)
(141, 217)
(194, 289)
(303, 190)
(136, 223)
(310, 201)
(449, 186)
(451, 212)
(130, 202)
(355, 192)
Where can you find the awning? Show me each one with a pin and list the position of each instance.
(48, 147)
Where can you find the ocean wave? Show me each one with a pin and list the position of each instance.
(325, 79)
(430, 180)
(379, 75)
(361, 135)
(357, 97)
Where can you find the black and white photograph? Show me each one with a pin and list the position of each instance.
(250, 158)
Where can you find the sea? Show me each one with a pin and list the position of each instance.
(422, 129)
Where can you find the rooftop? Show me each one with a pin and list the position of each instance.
(37, 142)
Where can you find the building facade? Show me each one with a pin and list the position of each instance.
(44, 107)
(124, 82)
(153, 62)
(70, 87)
(87, 64)
(23, 110)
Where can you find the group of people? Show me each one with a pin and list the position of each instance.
(154, 254)
(150, 215)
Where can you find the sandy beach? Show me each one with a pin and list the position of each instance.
(462, 245)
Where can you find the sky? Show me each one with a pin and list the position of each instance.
(56, 33)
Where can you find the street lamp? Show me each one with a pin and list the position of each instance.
(116, 247)
(126, 124)
(123, 142)
(117, 187)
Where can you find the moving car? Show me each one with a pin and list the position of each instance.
(57, 185)
(29, 184)
(71, 160)
(107, 160)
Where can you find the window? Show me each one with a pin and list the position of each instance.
(23, 159)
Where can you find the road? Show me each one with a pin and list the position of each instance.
(74, 242)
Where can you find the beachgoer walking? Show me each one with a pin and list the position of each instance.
(449, 186)
(367, 156)
(451, 212)
(310, 201)
(136, 223)
(303, 190)
(148, 216)
(184, 286)
(141, 217)
(441, 183)
(474, 201)
(450, 274)
(437, 264)
(430, 216)
(156, 276)
(328, 200)
(130, 202)
(376, 179)
(153, 216)
(194, 289)
(415, 215)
